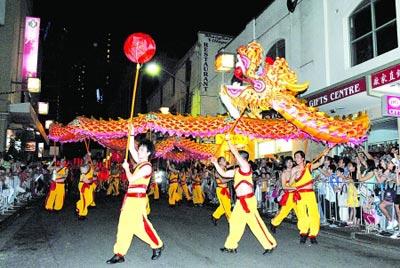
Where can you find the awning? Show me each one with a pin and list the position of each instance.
(23, 113)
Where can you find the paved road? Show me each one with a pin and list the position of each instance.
(40, 239)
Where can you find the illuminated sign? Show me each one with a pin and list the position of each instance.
(337, 93)
(31, 47)
(391, 106)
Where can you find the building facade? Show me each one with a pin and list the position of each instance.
(17, 107)
(347, 50)
(340, 47)
(189, 88)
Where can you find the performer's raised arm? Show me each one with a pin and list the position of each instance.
(244, 165)
(221, 171)
(321, 160)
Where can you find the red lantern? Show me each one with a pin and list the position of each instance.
(139, 47)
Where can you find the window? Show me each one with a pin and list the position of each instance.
(372, 30)
(277, 49)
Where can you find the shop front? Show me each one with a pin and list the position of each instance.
(25, 135)
(365, 93)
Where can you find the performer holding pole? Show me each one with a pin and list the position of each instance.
(223, 195)
(307, 207)
(133, 218)
(139, 48)
(86, 195)
(288, 201)
(245, 210)
(56, 195)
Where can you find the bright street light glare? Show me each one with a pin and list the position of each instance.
(153, 69)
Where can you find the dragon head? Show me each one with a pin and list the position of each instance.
(260, 81)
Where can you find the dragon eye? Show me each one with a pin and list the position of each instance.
(238, 73)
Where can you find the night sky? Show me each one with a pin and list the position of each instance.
(172, 24)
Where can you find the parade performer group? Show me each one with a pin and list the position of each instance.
(133, 218)
(265, 84)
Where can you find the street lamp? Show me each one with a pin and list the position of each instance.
(32, 85)
(47, 123)
(43, 108)
(164, 110)
(224, 62)
(154, 69)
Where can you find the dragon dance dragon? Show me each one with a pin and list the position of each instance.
(273, 85)
(264, 85)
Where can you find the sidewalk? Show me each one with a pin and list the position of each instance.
(360, 235)
(8, 216)
(354, 233)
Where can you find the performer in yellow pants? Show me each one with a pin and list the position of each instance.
(148, 209)
(56, 194)
(93, 187)
(307, 208)
(86, 195)
(133, 218)
(288, 200)
(198, 196)
(184, 187)
(223, 195)
(156, 194)
(245, 211)
(113, 186)
(173, 184)
(179, 193)
(154, 190)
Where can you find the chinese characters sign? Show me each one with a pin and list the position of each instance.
(385, 77)
(391, 106)
(31, 47)
(337, 93)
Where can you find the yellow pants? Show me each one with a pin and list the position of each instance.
(284, 211)
(113, 187)
(308, 214)
(224, 204)
(179, 193)
(55, 197)
(240, 218)
(172, 192)
(156, 193)
(198, 197)
(148, 209)
(93, 187)
(185, 190)
(133, 221)
(85, 200)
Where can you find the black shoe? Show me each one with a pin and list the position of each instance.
(82, 218)
(303, 239)
(116, 259)
(228, 250)
(214, 220)
(272, 228)
(313, 240)
(267, 251)
(157, 253)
